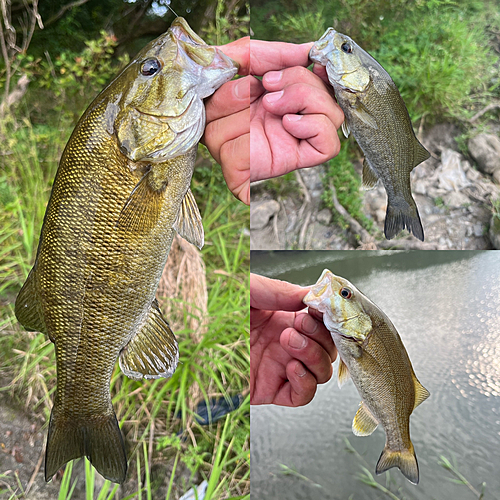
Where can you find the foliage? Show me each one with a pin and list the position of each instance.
(217, 364)
(437, 51)
(347, 184)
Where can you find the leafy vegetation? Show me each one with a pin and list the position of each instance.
(442, 55)
(170, 451)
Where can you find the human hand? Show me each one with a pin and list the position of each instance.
(227, 132)
(290, 352)
(293, 117)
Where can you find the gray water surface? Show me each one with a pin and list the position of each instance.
(446, 308)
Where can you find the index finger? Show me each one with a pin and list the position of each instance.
(274, 56)
(275, 295)
(239, 51)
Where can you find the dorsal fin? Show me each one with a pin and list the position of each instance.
(420, 154)
(421, 393)
(26, 308)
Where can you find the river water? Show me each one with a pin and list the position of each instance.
(446, 308)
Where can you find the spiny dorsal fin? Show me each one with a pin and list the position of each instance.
(142, 209)
(421, 393)
(343, 374)
(370, 178)
(153, 352)
(26, 308)
(364, 422)
(188, 223)
(345, 129)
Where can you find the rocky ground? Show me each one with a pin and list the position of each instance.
(454, 194)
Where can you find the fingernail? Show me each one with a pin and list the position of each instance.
(273, 76)
(296, 340)
(274, 96)
(309, 325)
(242, 89)
(294, 118)
(300, 371)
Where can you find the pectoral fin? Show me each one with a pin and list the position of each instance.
(364, 422)
(26, 308)
(370, 178)
(153, 352)
(343, 374)
(142, 209)
(188, 223)
(364, 115)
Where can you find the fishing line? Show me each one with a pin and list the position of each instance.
(168, 5)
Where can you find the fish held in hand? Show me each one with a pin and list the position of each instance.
(373, 355)
(378, 119)
(120, 194)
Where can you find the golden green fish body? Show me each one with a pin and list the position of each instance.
(376, 115)
(120, 194)
(372, 353)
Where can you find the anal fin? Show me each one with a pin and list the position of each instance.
(188, 223)
(153, 352)
(364, 422)
(26, 308)
(370, 178)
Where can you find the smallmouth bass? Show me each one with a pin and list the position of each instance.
(120, 194)
(377, 116)
(373, 355)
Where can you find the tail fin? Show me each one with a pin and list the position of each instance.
(98, 438)
(406, 460)
(401, 215)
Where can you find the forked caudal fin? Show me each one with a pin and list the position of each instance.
(401, 216)
(98, 438)
(406, 460)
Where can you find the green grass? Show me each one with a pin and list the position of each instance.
(442, 55)
(169, 452)
(154, 411)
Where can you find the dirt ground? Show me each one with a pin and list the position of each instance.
(454, 199)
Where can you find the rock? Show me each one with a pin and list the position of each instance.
(496, 176)
(324, 217)
(494, 232)
(451, 174)
(261, 213)
(485, 149)
(442, 136)
(455, 199)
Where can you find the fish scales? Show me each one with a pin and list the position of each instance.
(372, 353)
(120, 194)
(377, 117)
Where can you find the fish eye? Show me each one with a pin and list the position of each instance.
(346, 293)
(346, 47)
(150, 67)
